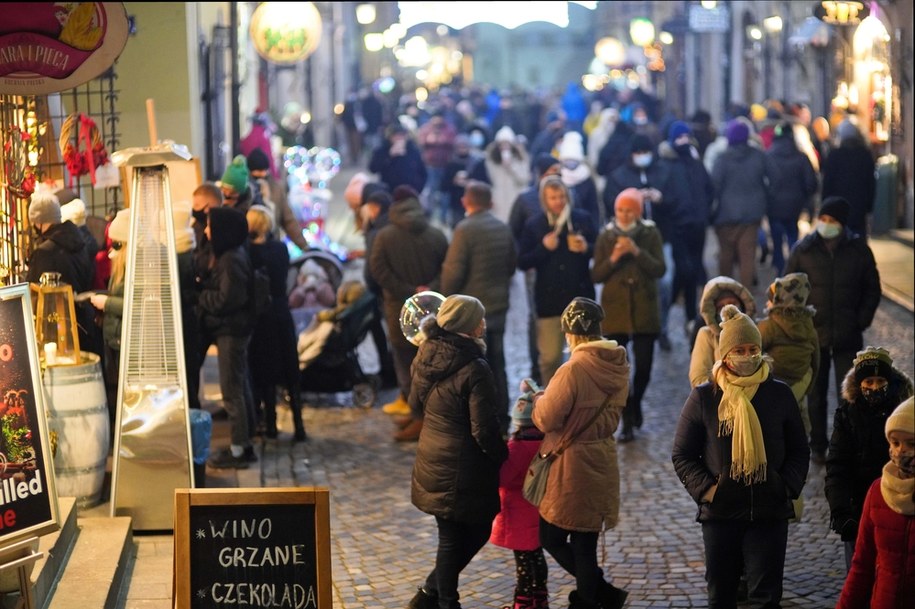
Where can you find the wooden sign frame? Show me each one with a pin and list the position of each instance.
(313, 499)
(28, 493)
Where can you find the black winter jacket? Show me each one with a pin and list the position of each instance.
(701, 458)
(62, 250)
(858, 449)
(460, 452)
(561, 274)
(844, 287)
(225, 302)
(797, 182)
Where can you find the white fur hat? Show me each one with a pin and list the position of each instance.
(119, 229)
(505, 134)
(74, 211)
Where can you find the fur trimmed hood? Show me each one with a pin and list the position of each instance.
(900, 387)
(714, 289)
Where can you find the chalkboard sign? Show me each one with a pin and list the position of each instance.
(252, 548)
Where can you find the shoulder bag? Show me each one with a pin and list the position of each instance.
(539, 470)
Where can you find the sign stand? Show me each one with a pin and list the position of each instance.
(19, 556)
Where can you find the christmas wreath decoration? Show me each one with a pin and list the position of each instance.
(89, 151)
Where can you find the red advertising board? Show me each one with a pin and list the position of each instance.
(28, 497)
(46, 47)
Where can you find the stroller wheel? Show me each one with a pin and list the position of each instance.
(363, 395)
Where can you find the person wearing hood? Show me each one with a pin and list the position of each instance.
(743, 177)
(718, 292)
(789, 338)
(557, 243)
(849, 171)
(692, 220)
(577, 175)
(461, 450)
(871, 390)
(792, 194)
(662, 197)
(505, 166)
(406, 258)
(845, 291)
(60, 248)
(883, 569)
(584, 400)
(741, 453)
(628, 261)
(225, 310)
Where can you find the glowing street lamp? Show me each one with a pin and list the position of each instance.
(641, 30)
(610, 51)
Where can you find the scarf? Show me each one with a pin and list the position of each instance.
(897, 492)
(556, 221)
(737, 417)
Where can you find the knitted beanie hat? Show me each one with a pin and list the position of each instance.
(632, 195)
(119, 229)
(258, 160)
(74, 211)
(903, 418)
(44, 207)
(460, 314)
(505, 134)
(791, 290)
(835, 207)
(544, 161)
(678, 128)
(873, 361)
(404, 192)
(571, 147)
(736, 329)
(737, 132)
(582, 316)
(522, 410)
(236, 174)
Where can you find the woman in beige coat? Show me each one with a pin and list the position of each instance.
(583, 491)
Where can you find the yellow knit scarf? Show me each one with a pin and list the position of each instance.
(896, 491)
(737, 417)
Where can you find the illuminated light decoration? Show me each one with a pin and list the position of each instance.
(773, 24)
(641, 30)
(285, 32)
(390, 38)
(610, 51)
(708, 4)
(374, 42)
(459, 15)
(841, 13)
(666, 38)
(415, 53)
(365, 14)
(754, 32)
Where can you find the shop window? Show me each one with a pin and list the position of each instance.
(30, 128)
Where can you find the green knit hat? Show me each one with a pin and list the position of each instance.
(236, 174)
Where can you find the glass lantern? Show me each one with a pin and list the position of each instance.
(55, 322)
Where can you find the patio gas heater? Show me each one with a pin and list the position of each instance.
(152, 451)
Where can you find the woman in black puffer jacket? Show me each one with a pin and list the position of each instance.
(461, 449)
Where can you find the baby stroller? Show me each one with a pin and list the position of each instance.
(328, 357)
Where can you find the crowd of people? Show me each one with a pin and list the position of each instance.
(599, 207)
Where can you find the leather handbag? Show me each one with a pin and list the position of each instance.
(538, 471)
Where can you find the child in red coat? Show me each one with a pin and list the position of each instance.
(882, 574)
(517, 526)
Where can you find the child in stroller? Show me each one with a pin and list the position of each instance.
(327, 348)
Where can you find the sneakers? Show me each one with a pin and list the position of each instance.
(224, 459)
(397, 407)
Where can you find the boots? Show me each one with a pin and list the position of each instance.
(523, 602)
(296, 407)
(611, 597)
(423, 600)
(270, 421)
(576, 602)
(541, 600)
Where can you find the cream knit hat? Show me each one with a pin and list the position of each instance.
(736, 329)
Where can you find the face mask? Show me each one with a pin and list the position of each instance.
(875, 396)
(200, 216)
(476, 139)
(744, 365)
(828, 230)
(640, 120)
(905, 463)
(641, 160)
(683, 150)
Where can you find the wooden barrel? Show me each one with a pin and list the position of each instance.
(78, 415)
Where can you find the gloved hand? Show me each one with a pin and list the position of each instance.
(529, 386)
(849, 530)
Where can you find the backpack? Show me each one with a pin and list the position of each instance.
(261, 298)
